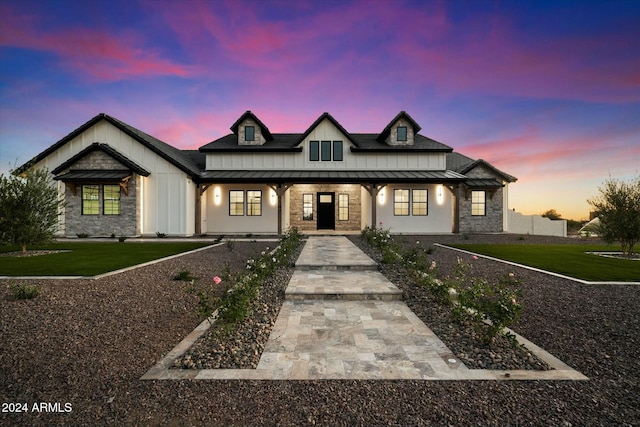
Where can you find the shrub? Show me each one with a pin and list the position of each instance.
(82, 235)
(231, 244)
(122, 238)
(491, 307)
(184, 275)
(160, 235)
(24, 291)
(237, 293)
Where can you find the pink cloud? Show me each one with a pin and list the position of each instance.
(91, 52)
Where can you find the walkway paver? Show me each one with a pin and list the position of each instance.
(342, 319)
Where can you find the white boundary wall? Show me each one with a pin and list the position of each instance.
(518, 223)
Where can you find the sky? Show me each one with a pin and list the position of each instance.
(546, 91)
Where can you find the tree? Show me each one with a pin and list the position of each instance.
(29, 208)
(618, 208)
(551, 214)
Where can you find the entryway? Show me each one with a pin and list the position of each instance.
(326, 211)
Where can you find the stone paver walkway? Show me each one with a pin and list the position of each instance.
(342, 319)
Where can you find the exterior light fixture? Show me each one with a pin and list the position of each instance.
(440, 194)
(274, 197)
(216, 196)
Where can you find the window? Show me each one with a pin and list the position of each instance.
(402, 133)
(236, 202)
(401, 202)
(249, 133)
(111, 200)
(478, 203)
(337, 151)
(325, 151)
(314, 151)
(90, 200)
(307, 207)
(343, 207)
(254, 203)
(419, 204)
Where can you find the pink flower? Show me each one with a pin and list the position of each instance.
(474, 257)
(513, 301)
(217, 280)
(433, 265)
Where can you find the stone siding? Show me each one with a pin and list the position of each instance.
(125, 224)
(493, 220)
(258, 137)
(392, 139)
(355, 205)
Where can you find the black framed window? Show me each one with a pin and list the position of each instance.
(419, 204)
(343, 207)
(325, 151)
(111, 200)
(401, 202)
(314, 151)
(402, 133)
(236, 202)
(478, 203)
(90, 200)
(249, 133)
(307, 207)
(254, 202)
(337, 151)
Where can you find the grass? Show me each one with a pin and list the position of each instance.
(88, 258)
(570, 260)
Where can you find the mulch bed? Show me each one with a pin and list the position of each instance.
(88, 343)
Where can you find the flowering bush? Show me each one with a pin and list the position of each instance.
(491, 307)
(234, 302)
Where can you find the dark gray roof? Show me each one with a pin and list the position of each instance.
(248, 114)
(94, 176)
(362, 143)
(463, 164)
(402, 114)
(314, 176)
(280, 142)
(482, 183)
(106, 148)
(173, 155)
(368, 142)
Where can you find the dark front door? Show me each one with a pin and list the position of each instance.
(326, 211)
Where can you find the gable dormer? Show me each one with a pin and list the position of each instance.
(250, 130)
(400, 131)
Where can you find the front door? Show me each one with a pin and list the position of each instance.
(326, 211)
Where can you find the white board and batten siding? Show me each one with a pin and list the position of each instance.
(326, 131)
(168, 193)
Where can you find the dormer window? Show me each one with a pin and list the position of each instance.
(402, 133)
(249, 133)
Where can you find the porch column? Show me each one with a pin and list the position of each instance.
(200, 189)
(455, 191)
(280, 189)
(373, 190)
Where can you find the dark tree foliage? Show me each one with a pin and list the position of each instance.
(618, 208)
(29, 208)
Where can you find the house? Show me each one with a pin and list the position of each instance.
(119, 180)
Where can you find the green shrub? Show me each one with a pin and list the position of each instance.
(491, 307)
(24, 291)
(160, 235)
(184, 275)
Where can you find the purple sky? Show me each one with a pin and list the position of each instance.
(546, 91)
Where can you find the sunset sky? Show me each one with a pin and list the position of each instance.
(546, 91)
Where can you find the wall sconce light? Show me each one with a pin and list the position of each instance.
(274, 197)
(440, 194)
(216, 196)
(382, 196)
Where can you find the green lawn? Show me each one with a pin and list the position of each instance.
(89, 258)
(570, 260)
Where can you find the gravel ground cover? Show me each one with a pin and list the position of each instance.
(87, 343)
(461, 338)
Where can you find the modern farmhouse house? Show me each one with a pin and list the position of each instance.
(119, 180)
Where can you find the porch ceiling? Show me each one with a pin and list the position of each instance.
(335, 176)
